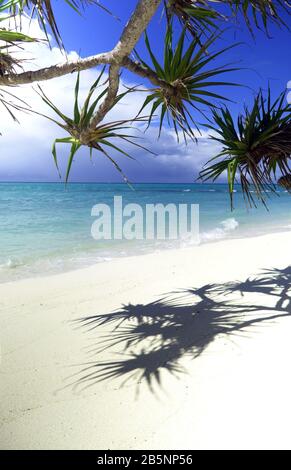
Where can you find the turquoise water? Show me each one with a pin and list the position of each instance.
(46, 227)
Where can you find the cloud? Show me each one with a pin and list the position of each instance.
(26, 147)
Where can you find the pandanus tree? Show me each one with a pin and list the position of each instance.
(255, 147)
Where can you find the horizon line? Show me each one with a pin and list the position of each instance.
(107, 182)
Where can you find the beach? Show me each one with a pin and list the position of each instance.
(183, 349)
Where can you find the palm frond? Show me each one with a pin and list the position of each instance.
(100, 138)
(260, 12)
(8, 63)
(285, 182)
(44, 12)
(200, 16)
(188, 79)
(10, 38)
(255, 150)
(197, 16)
(16, 104)
(13, 37)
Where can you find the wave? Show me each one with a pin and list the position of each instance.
(226, 226)
(10, 264)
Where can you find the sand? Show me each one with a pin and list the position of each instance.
(185, 349)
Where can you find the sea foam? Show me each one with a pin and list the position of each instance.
(225, 227)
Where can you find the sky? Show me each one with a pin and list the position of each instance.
(26, 147)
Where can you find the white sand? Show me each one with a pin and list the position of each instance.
(236, 394)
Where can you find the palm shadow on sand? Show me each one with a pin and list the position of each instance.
(155, 337)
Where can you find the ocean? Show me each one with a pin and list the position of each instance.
(45, 228)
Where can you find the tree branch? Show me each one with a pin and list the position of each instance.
(118, 57)
(129, 37)
(139, 69)
(59, 70)
(110, 97)
(106, 105)
(138, 22)
(55, 71)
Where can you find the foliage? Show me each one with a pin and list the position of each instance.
(43, 11)
(8, 65)
(196, 16)
(256, 11)
(10, 38)
(254, 149)
(100, 137)
(11, 106)
(200, 15)
(186, 73)
(285, 182)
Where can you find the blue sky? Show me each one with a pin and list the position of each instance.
(26, 149)
(268, 59)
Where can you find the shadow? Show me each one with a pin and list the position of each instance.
(154, 337)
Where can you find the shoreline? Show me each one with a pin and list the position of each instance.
(122, 354)
(152, 251)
